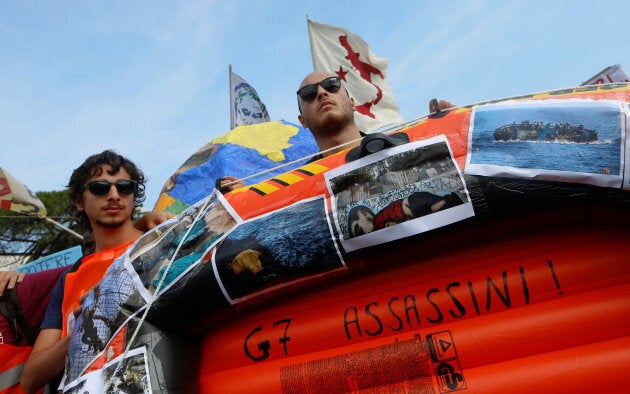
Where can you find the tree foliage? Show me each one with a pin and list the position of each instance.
(34, 237)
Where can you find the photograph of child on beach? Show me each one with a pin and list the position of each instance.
(396, 193)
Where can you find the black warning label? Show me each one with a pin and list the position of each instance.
(448, 371)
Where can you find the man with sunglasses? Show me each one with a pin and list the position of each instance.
(105, 189)
(327, 110)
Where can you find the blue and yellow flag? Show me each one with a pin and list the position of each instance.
(259, 149)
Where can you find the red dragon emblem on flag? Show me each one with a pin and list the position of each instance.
(365, 71)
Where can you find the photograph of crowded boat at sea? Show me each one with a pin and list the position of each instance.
(512, 137)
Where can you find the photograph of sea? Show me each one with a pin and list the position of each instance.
(549, 136)
(274, 250)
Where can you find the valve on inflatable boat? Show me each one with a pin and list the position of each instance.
(376, 142)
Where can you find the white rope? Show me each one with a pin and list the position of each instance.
(418, 119)
(155, 294)
(334, 148)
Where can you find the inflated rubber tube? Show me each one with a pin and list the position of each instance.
(424, 296)
(463, 354)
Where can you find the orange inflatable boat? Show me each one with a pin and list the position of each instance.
(477, 250)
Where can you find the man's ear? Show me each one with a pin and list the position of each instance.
(79, 205)
(354, 108)
(302, 121)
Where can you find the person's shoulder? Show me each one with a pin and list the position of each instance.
(76, 264)
(37, 287)
(45, 278)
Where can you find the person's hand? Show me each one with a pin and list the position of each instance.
(442, 104)
(8, 280)
(152, 219)
(229, 183)
(438, 205)
(77, 311)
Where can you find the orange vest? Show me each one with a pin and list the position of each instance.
(12, 359)
(90, 272)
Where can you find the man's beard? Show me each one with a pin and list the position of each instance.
(110, 223)
(333, 123)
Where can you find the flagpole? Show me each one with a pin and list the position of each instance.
(310, 40)
(231, 98)
(57, 224)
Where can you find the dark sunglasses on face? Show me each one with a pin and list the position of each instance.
(309, 92)
(101, 188)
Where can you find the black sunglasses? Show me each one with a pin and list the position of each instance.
(309, 92)
(101, 187)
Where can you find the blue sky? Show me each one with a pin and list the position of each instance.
(150, 78)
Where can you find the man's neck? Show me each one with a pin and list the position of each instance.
(342, 139)
(106, 238)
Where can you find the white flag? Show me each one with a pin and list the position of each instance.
(609, 75)
(341, 52)
(247, 108)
